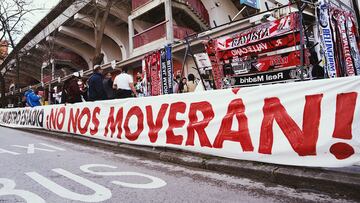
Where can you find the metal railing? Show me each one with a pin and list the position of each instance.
(158, 32)
(195, 5)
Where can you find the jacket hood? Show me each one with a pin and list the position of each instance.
(28, 92)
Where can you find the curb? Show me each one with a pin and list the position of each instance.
(343, 184)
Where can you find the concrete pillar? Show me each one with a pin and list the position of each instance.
(169, 24)
(131, 34)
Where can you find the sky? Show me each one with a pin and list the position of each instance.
(34, 17)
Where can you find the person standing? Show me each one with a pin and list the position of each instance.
(108, 86)
(96, 88)
(191, 83)
(57, 95)
(71, 92)
(140, 85)
(124, 85)
(183, 86)
(176, 83)
(32, 99)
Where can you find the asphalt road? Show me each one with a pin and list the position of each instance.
(36, 169)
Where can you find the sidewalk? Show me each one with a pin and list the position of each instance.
(343, 182)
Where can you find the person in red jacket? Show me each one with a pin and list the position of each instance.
(71, 90)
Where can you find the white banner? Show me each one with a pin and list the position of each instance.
(313, 123)
(203, 60)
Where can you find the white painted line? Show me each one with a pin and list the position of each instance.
(155, 182)
(9, 189)
(3, 151)
(52, 146)
(31, 148)
(100, 194)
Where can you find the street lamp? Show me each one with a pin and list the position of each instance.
(44, 65)
(52, 61)
(42, 73)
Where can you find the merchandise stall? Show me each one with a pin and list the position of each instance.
(287, 49)
(293, 46)
(158, 72)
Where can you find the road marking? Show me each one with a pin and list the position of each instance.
(155, 182)
(52, 146)
(9, 189)
(3, 151)
(31, 148)
(101, 193)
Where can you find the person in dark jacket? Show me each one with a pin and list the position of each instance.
(32, 99)
(96, 87)
(71, 92)
(183, 86)
(108, 86)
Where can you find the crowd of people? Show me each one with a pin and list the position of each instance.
(101, 86)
